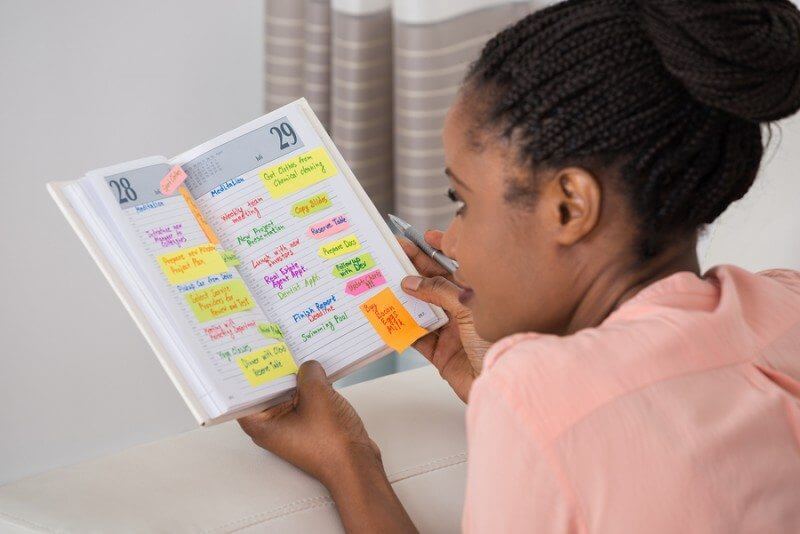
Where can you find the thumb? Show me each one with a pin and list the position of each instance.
(311, 381)
(436, 290)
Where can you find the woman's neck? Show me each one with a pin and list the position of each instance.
(615, 282)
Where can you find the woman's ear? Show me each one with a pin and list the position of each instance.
(576, 197)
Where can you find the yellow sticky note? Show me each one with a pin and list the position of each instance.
(340, 246)
(220, 300)
(190, 264)
(297, 173)
(391, 320)
(187, 196)
(266, 364)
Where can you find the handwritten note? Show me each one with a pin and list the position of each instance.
(187, 196)
(364, 283)
(327, 227)
(270, 330)
(340, 247)
(354, 265)
(298, 173)
(391, 320)
(167, 236)
(312, 204)
(192, 263)
(267, 364)
(174, 178)
(220, 300)
(230, 258)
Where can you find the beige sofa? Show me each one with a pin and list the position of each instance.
(215, 479)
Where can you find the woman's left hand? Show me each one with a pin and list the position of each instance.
(317, 431)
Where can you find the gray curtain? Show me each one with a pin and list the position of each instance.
(381, 75)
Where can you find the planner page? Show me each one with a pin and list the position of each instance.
(276, 194)
(225, 335)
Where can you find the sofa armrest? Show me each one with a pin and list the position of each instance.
(216, 480)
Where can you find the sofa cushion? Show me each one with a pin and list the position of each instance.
(216, 480)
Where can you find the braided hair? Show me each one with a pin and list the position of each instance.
(667, 96)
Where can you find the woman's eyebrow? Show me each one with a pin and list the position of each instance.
(456, 179)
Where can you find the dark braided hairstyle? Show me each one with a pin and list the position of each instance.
(665, 95)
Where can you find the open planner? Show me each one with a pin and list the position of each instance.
(246, 256)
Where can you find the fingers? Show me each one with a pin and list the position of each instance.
(437, 290)
(426, 265)
(434, 238)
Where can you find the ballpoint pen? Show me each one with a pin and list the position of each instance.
(411, 233)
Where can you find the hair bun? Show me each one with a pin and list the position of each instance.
(740, 56)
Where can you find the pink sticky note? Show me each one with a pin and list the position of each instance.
(365, 282)
(172, 180)
(329, 226)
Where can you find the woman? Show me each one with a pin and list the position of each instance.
(624, 391)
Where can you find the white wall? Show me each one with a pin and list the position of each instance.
(762, 230)
(83, 84)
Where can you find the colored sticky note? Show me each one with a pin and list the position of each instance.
(220, 300)
(364, 283)
(172, 180)
(391, 320)
(267, 364)
(312, 204)
(190, 264)
(270, 330)
(354, 265)
(327, 227)
(341, 246)
(187, 196)
(298, 172)
(230, 258)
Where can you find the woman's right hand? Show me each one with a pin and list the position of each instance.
(455, 349)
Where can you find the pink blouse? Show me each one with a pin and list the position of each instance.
(679, 413)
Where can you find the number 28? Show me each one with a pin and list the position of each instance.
(123, 186)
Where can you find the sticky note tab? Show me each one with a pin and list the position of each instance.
(298, 173)
(172, 180)
(364, 283)
(354, 265)
(337, 248)
(312, 204)
(192, 263)
(267, 364)
(327, 227)
(270, 330)
(391, 320)
(220, 300)
(187, 196)
(230, 258)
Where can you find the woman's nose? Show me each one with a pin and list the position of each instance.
(449, 240)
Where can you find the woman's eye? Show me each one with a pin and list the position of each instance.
(453, 196)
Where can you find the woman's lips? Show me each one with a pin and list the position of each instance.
(465, 295)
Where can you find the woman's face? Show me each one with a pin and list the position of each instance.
(516, 275)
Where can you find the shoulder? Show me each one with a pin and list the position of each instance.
(553, 382)
(786, 277)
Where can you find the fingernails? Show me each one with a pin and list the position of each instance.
(411, 283)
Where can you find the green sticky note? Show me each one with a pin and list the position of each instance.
(230, 258)
(270, 330)
(354, 265)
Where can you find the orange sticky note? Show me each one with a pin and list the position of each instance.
(172, 180)
(187, 196)
(391, 320)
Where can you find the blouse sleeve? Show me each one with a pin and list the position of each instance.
(511, 486)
